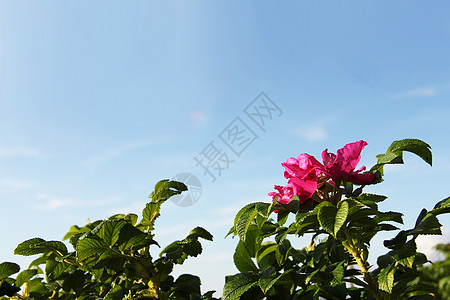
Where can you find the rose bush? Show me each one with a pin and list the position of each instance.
(112, 258)
(323, 202)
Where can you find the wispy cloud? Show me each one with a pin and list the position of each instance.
(17, 184)
(19, 151)
(312, 133)
(49, 203)
(424, 92)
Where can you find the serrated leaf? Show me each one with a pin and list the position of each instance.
(406, 254)
(26, 248)
(338, 272)
(242, 259)
(36, 285)
(263, 210)
(7, 289)
(266, 254)
(332, 218)
(442, 207)
(110, 231)
(370, 197)
(193, 248)
(150, 213)
(282, 216)
(386, 279)
(165, 189)
(394, 154)
(341, 216)
(415, 146)
(429, 224)
(389, 216)
(114, 293)
(200, 232)
(55, 247)
(253, 239)
(243, 219)
(74, 229)
(38, 245)
(266, 283)
(110, 260)
(237, 285)
(397, 242)
(327, 216)
(7, 269)
(307, 223)
(131, 238)
(53, 269)
(88, 247)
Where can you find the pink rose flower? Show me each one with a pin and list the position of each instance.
(304, 166)
(342, 164)
(285, 193)
(302, 173)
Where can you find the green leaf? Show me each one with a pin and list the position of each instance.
(266, 255)
(74, 230)
(150, 214)
(415, 146)
(36, 286)
(27, 248)
(406, 254)
(243, 219)
(282, 216)
(110, 231)
(341, 216)
(389, 216)
(6, 289)
(253, 239)
(386, 279)
(53, 269)
(116, 292)
(200, 232)
(242, 259)
(302, 225)
(266, 283)
(88, 247)
(338, 272)
(7, 269)
(332, 218)
(442, 207)
(394, 154)
(397, 242)
(264, 211)
(428, 225)
(38, 245)
(370, 197)
(166, 189)
(238, 284)
(110, 260)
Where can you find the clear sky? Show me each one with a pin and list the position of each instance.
(99, 100)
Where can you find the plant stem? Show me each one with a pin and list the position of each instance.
(372, 285)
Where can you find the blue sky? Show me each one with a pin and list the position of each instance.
(100, 100)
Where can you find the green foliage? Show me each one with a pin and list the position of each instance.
(334, 265)
(112, 257)
(438, 274)
(111, 260)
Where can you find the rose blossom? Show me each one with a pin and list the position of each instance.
(342, 164)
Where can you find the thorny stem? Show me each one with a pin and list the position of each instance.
(372, 285)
